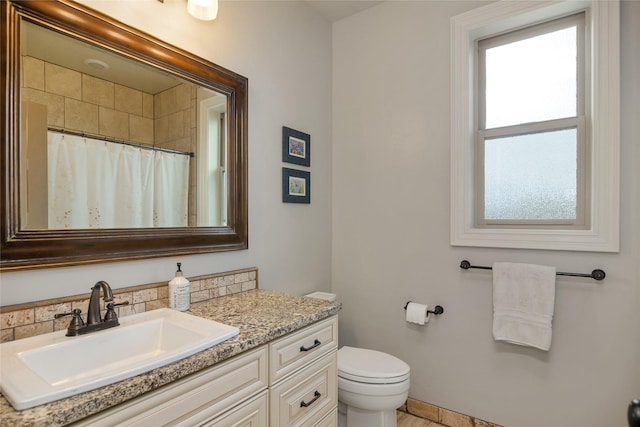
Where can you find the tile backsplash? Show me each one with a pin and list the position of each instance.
(36, 318)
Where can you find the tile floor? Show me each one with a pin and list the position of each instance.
(408, 420)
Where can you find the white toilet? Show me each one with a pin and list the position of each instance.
(371, 384)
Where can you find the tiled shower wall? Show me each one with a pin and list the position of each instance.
(80, 102)
(36, 318)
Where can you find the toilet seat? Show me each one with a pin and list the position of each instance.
(371, 366)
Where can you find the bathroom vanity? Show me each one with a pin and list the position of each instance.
(281, 370)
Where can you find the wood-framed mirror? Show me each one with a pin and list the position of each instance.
(173, 124)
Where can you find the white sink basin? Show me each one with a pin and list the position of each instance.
(53, 366)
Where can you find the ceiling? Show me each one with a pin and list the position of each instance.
(56, 48)
(335, 10)
(76, 55)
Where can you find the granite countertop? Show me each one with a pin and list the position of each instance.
(262, 316)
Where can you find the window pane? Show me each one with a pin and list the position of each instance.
(532, 80)
(531, 177)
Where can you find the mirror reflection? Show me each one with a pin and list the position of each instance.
(109, 142)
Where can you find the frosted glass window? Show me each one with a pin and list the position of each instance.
(532, 80)
(531, 126)
(531, 177)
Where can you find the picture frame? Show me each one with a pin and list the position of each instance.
(296, 186)
(296, 147)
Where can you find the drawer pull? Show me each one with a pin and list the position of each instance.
(316, 396)
(315, 344)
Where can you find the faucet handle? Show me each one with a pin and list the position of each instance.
(111, 313)
(76, 321)
(75, 313)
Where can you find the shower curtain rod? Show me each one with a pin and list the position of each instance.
(119, 141)
(595, 274)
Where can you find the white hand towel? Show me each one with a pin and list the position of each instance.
(523, 301)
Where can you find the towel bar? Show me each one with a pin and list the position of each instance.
(595, 274)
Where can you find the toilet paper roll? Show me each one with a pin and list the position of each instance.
(417, 313)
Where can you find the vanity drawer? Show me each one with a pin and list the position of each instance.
(253, 413)
(293, 351)
(194, 399)
(330, 420)
(308, 396)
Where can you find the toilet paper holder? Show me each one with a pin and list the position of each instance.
(438, 309)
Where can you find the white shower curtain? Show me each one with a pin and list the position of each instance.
(99, 184)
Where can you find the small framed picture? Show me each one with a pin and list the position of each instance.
(296, 147)
(296, 186)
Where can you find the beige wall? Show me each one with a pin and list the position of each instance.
(391, 239)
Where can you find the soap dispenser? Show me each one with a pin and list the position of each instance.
(179, 296)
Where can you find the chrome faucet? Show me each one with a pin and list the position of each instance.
(94, 321)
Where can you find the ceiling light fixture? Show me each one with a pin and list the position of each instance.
(96, 64)
(207, 10)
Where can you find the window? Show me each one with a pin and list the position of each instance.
(530, 137)
(535, 126)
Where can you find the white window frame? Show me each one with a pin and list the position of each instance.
(601, 234)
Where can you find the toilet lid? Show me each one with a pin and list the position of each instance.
(370, 366)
